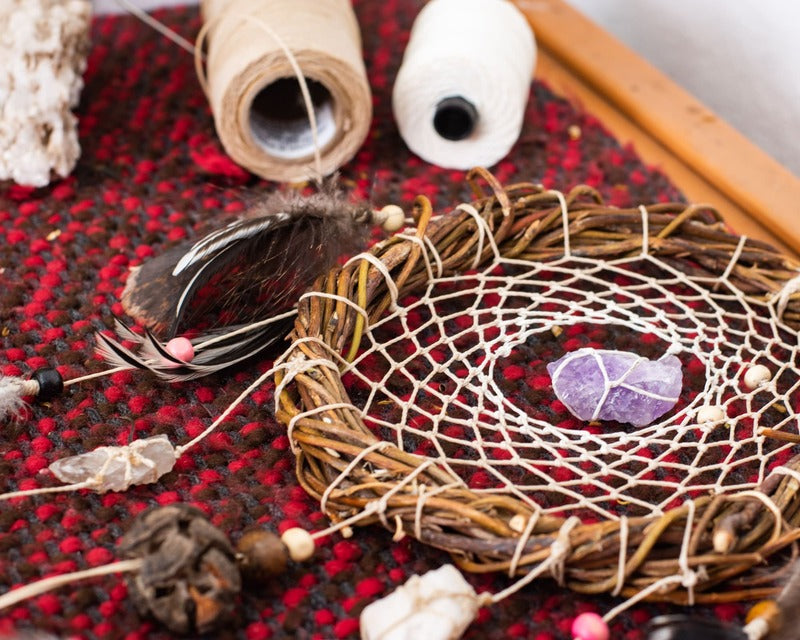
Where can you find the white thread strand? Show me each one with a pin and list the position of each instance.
(442, 62)
(523, 540)
(381, 267)
(623, 555)
(734, 259)
(181, 449)
(484, 233)
(645, 230)
(554, 563)
(163, 29)
(26, 493)
(347, 471)
(54, 582)
(688, 576)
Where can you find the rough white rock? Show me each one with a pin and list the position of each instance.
(117, 468)
(439, 605)
(43, 46)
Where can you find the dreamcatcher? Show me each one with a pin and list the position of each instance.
(418, 395)
(428, 389)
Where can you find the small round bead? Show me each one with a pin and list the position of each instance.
(590, 626)
(181, 348)
(768, 610)
(393, 218)
(756, 376)
(51, 384)
(263, 555)
(710, 414)
(299, 543)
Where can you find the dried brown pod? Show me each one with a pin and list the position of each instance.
(189, 579)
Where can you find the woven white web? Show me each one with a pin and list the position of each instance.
(457, 374)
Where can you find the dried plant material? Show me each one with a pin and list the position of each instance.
(189, 580)
(438, 605)
(117, 468)
(43, 46)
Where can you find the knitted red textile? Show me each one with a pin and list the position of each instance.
(152, 173)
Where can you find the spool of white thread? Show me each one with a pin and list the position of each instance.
(460, 95)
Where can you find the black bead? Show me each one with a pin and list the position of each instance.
(681, 627)
(51, 384)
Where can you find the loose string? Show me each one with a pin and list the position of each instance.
(163, 29)
(15, 596)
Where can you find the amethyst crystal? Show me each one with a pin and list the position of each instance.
(599, 384)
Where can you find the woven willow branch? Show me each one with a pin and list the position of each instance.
(340, 461)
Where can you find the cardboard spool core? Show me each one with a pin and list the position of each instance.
(279, 121)
(455, 118)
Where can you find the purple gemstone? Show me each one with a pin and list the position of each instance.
(600, 384)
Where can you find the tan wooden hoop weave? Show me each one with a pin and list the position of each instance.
(479, 530)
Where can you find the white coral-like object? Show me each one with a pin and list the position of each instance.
(43, 47)
(438, 605)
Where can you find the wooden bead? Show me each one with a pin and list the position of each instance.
(590, 626)
(757, 376)
(51, 384)
(768, 610)
(181, 348)
(299, 543)
(262, 555)
(392, 218)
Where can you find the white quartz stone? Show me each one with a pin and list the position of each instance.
(439, 605)
(117, 468)
(43, 47)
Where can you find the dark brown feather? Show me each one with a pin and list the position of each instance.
(258, 269)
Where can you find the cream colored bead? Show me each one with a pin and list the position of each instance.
(392, 218)
(710, 414)
(757, 376)
(299, 543)
(517, 523)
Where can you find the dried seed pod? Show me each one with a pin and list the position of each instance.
(189, 579)
(263, 555)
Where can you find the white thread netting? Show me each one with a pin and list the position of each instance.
(457, 374)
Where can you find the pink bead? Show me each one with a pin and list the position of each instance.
(590, 626)
(181, 348)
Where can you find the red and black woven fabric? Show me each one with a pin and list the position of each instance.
(152, 173)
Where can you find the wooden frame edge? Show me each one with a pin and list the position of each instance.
(708, 159)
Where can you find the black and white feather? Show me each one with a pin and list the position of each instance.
(213, 351)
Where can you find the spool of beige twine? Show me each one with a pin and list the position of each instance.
(286, 83)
